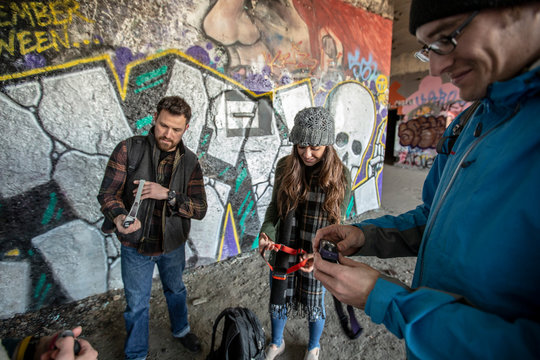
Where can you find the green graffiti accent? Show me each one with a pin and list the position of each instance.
(31, 252)
(159, 82)
(243, 203)
(59, 214)
(246, 213)
(224, 171)
(146, 77)
(144, 133)
(205, 140)
(139, 124)
(47, 216)
(43, 295)
(255, 244)
(39, 286)
(240, 179)
(350, 208)
(201, 155)
(285, 135)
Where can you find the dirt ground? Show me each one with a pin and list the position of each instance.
(239, 281)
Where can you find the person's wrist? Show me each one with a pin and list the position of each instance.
(171, 197)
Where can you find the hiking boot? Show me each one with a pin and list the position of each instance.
(191, 342)
(313, 354)
(272, 351)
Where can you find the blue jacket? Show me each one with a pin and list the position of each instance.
(476, 286)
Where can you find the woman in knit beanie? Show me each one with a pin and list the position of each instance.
(311, 190)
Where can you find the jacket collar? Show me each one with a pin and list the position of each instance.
(521, 87)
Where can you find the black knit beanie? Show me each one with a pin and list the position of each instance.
(424, 11)
(313, 126)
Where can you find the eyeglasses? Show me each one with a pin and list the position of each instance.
(444, 45)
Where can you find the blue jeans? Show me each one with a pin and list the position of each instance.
(315, 327)
(137, 271)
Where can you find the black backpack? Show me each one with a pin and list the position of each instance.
(242, 338)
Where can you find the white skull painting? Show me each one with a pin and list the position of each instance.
(354, 111)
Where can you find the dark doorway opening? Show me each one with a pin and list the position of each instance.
(393, 118)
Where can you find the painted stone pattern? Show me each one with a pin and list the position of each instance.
(77, 77)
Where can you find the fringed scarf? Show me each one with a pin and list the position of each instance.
(304, 293)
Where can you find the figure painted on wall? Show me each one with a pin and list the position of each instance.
(294, 39)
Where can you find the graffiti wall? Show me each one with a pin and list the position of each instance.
(77, 77)
(424, 114)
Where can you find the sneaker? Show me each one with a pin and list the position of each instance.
(313, 354)
(191, 342)
(272, 351)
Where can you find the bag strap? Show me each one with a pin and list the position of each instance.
(456, 130)
(214, 329)
(255, 332)
(135, 150)
(355, 329)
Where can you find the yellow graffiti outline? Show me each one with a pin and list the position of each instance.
(372, 133)
(384, 122)
(122, 88)
(223, 232)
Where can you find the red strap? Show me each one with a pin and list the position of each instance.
(291, 251)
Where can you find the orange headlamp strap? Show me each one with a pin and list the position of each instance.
(290, 251)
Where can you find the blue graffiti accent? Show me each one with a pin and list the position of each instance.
(255, 244)
(59, 214)
(243, 203)
(223, 172)
(43, 295)
(34, 61)
(240, 179)
(348, 213)
(159, 82)
(244, 216)
(199, 54)
(48, 215)
(229, 242)
(441, 98)
(149, 76)
(39, 285)
(139, 124)
(124, 56)
(205, 140)
(146, 77)
(363, 69)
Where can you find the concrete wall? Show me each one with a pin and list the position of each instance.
(77, 77)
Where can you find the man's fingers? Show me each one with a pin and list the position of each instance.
(77, 331)
(348, 262)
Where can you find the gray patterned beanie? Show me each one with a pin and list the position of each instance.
(424, 11)
(313, 126)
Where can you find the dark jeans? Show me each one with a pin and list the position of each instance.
(137, 273)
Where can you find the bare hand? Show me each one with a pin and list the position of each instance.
(349, 281)
(349, 238)
(62, 349)
(119, 220)
(265, 244)
(308, 267)
(152, 190)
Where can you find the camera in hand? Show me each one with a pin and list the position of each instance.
(328, 251)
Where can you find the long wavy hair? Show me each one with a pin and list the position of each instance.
(294, 187)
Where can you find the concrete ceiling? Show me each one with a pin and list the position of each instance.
(404, 66)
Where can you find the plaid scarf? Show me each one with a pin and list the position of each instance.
(304, 293)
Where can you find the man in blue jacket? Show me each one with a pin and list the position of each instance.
(476, 286)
